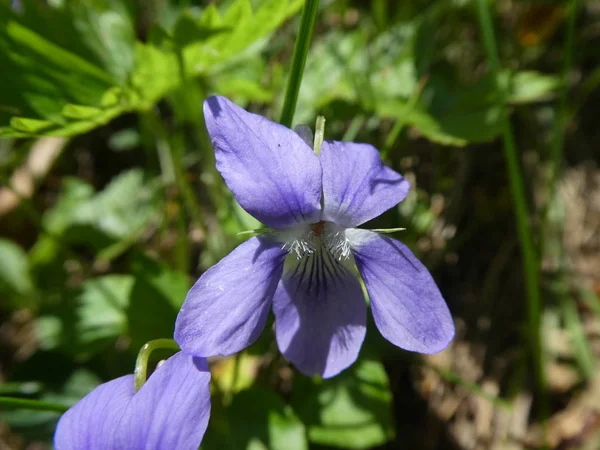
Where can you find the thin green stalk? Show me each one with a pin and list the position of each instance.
(454, 378)
(401, 121)
(556, 150)
(25, 403)
(174, 144)
(141, 363)
(307, 24)
(581, 347)
(229, 390)
(355, 125)
(517, 189)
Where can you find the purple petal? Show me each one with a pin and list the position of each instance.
(226, 310)
(171, 409)
(320, 314)
(406, 303)
(271, 171)
(93, 421)
(357, 186)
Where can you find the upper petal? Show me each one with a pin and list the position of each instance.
(171, 410)
(320, 315)
(407, 305)
(271, 171)
(93, 421)
(226, 310)
(357, 186)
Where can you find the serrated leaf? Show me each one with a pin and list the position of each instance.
(102, 308)
(239, 28)
(46, 89)
(108, 30)
(352, 410)
(109, 222)
(257, 419)
(124, 207)
(156, 73)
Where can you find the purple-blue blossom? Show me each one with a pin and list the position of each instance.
(170, 411)
(305, 270)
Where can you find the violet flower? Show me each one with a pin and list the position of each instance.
(306, 268)
(170, 411)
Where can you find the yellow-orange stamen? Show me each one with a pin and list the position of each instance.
(317, 228)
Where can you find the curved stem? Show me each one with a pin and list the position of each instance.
(307, 24)
(141, 363)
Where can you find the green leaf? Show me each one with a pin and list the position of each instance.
(143, 305)
(48, 89)
(15, 278)
(125, 206)
(352, 410)
(49, 330)
(529, 86)
(107, 29)
(79, 112)
(430, 127)
(39, 77)
(122, 210)
(74, 193)
(357, 68)
(29, 125)
(156, 73)
(156, 298)
(101, 312)
(243, 81)
(189, 30)
(233, 32)
(256, 419)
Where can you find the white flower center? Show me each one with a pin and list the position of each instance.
(308, 239)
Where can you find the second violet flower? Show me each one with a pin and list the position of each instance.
(305, 269)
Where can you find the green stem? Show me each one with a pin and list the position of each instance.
(172, 145)
(141, 363)
(401, 121)
(355, 125)
(517, 189)
(25, 403)
(307, 24)
(556, 150)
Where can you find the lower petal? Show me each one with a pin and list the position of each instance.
(171, 410)
(226, 310)
(93, 421)
(407, 305)
(320, 314)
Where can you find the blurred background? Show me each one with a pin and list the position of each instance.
(111, 207)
